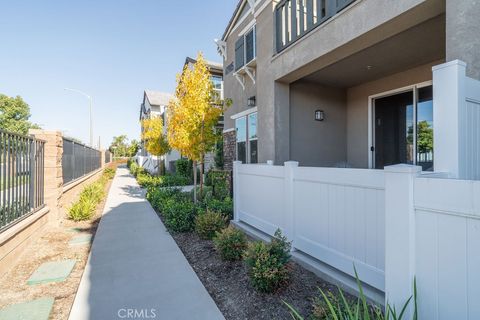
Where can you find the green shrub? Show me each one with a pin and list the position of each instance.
(208, 224)
(174, 180)
(109, 173)
(179, 215)
(184, 168)
(135, 169)
(146, 180)
(230, 243)
(159, 196)
(223, 206)
(94, 192)
(267, 263)
(83, 209)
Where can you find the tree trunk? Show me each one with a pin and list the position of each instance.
(195, 182)
(201, 178)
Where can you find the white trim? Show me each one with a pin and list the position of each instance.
(251, 73)
(240, 78)
(228, 130)
(371, 114)
(247, 28)
(240, 21)
(243, 113)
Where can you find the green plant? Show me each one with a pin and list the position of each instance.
(339, 307)
(109, 173)
(94, 192)
(83, 209)
(209, 223)
(184, 168)
(179, 215)
(230, 243)
(267, 263)
(223, 206)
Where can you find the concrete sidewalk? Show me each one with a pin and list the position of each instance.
(135, 269)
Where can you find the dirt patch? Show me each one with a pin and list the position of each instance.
(229, 286)
(52, 245)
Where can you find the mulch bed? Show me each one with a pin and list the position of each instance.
(229, 286)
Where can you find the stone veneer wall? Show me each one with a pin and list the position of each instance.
(229, 139)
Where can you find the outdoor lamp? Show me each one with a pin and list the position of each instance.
(251, 102)
(319, 115)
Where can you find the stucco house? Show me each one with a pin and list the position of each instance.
(355, 130)
(155, 104)
(340, 83)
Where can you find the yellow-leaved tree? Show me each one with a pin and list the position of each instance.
(193, 114)
(154, 139)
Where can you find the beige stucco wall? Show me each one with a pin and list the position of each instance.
(357, 108)
(317, 143)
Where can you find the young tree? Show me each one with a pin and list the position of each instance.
(154, 139)
(119, 146)
(14, 115)
(192, 116)
(133, 148)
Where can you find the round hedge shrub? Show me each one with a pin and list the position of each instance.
(230, 243)
(179, 215)
(209, 223)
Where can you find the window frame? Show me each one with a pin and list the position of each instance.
(243, 38)
(248, 159)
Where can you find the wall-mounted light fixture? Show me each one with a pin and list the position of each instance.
(252, 101)
(319, 115)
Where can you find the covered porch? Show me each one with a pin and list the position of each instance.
(371, 109)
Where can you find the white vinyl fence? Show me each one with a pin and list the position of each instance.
(149, 163)
(395, 225)
(447, 259)
(336, 216)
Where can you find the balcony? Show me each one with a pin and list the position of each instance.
(296, 18)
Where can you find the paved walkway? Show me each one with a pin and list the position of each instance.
(135, 269)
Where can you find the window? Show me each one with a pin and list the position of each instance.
(245, 48)
(217, 87)
(247, 139)
(252, 138)
(241, 128)
(425, 128)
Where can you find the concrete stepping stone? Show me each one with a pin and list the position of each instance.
(76, 230)
(38, 309)
(55, 271)
(80, 240)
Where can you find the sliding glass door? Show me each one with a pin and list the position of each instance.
(403, 128)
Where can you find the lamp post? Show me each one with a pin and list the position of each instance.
(91, 123)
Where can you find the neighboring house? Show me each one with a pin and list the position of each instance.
(155, 104)
(340, 83)
(370, 112)
(216, 72)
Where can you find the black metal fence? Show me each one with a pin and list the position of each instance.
(78, 160)
(21, 177)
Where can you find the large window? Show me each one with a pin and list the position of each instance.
(247, 139)
(245, 48)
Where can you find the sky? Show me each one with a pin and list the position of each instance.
(109, 49)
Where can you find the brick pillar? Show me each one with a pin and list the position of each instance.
(53, 170)
(102, 158)
(229, 139)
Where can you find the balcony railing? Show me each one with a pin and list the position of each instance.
(296, 18)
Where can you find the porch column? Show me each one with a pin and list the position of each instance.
(448, 97)
(282, 122)
(462, 29)
(399, 234)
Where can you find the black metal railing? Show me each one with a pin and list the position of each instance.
(78, 160)
(296, 18)
(22, 163)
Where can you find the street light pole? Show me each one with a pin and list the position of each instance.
(91, 120)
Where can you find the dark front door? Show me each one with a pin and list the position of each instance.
(394, 132)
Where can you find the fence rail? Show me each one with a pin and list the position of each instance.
(296, 18)
(21, 177)
(78, 160)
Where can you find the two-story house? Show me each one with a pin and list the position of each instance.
(342, 83)
(155, 104)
